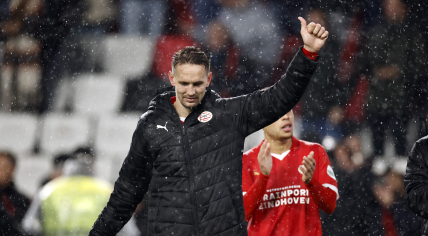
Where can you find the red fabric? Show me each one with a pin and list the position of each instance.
(232, 62)
(291, 44)
(166, 46)
(350, 49)
(388, 223)
(254, 196)
(183, 11)
(287, 205)
(8, 205)
(311, 55)
(325, 198)
(354, 109)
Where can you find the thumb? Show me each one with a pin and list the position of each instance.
(268, 149)
(262, 151)
(302, 22)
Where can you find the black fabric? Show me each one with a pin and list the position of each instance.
(17, 200)
(357, 212)
(406, 223)
(416, 181)
(139, 92)
(379, 125)
(193, 171)
(13, 206)
(8, 226)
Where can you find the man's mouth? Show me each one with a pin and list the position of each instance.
(190, 99)
(287, 128)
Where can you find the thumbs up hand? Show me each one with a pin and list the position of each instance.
(313, 35)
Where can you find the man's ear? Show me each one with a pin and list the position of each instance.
(210, 76)
(171, 78)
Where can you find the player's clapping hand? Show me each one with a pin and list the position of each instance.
(307, 168)
(313, 35)
(265, 159)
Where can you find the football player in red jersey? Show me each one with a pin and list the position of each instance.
(285, 181)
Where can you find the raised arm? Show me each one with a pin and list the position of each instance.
(416, 179)
(129, 189)
(261, 108)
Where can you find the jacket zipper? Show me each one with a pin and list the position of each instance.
(192, 183)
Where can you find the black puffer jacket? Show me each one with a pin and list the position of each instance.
(193, 171)
(416, 181)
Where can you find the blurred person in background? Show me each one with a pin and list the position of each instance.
(8, 226)
(357, 211)
(14, 204)
(417, 16)
(68, 205)
(285, 182)
(283, 12)
(142, 17)
(70, 32)
(416, 182)
(21, 70)
(176, 34)
(251, 26)
(226, 60)
(59, 21)
(186, 151)
(395, 59)
(397, 219)
(322, 103)
(57, 168)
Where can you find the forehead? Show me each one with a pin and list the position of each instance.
(190, 71)
(290, 115)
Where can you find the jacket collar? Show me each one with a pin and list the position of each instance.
(163, 100)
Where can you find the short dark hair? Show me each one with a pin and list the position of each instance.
(190, 55)
(9, 156)
(60, 159)
(84, 153)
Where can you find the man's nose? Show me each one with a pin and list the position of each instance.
(191, 90)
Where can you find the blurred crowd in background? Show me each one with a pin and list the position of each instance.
(62, 60)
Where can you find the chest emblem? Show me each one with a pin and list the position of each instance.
(205, 116)
(162, 127)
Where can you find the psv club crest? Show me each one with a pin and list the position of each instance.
(205, 116)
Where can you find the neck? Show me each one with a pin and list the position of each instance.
(279, 146)
(181, 110)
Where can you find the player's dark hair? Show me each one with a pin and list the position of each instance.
(9, 156)
(190, 55)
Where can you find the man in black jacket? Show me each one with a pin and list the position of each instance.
(13, 204)
(187, 148)
(416, 181)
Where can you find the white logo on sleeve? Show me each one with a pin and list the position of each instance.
(330, 172)
(162, 127)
